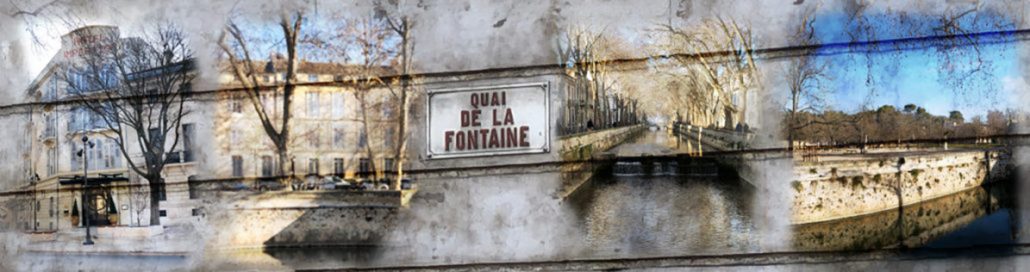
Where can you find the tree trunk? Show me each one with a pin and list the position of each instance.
(743, 108)
(402, 142)
(156, 189)
(368, 136)
(284, 178)
(403, 119)
(790, 130)
(792, 123)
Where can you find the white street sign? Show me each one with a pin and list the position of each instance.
(491, 120)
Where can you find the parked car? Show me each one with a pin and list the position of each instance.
(268, 185)
(328, 183)
(342, 184)
(310, 182)
(350, 184)
(407, 184)
(234, 186)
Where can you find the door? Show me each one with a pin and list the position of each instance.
(98, 207)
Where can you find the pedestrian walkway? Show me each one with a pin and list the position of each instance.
(177, 240)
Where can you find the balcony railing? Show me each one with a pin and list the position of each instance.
(182, 156)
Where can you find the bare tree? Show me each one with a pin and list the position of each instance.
(244, 68)
(137, 87)
(138, 197)
(965, 61)
(376, 48)
(592, 101)
(381, 44)
(43, 19)
(716, 60)
(803, 73)
(402, 28)
(579, 56)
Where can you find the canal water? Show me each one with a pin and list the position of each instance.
(623, 212)
(663, 213)
(975, 217)
(625, 215)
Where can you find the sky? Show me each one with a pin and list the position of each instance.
(917, 79)
(919, 76)
(522, 39)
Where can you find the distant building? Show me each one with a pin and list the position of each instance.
(328, 133)
(222, 139)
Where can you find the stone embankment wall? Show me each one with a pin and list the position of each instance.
(719, 139)
(922, 223)
(583, 146)
(306, 218)
(834, 187)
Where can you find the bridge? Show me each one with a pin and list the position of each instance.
(674, 150)
(658, 152)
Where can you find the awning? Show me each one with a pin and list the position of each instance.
(102, 179)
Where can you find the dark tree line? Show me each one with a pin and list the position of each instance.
(888, 123)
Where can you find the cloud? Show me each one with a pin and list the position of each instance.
(1016, 90)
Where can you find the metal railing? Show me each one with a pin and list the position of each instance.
(182, 156)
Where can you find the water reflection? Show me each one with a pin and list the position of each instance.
(961, 219)
(642, 216)
(326, 256)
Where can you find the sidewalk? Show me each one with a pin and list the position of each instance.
(179, 240)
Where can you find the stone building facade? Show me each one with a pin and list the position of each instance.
(222, 140)
(57, 152)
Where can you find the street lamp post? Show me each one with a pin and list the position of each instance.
(35, 207)
(85, 188)
(901, 204)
